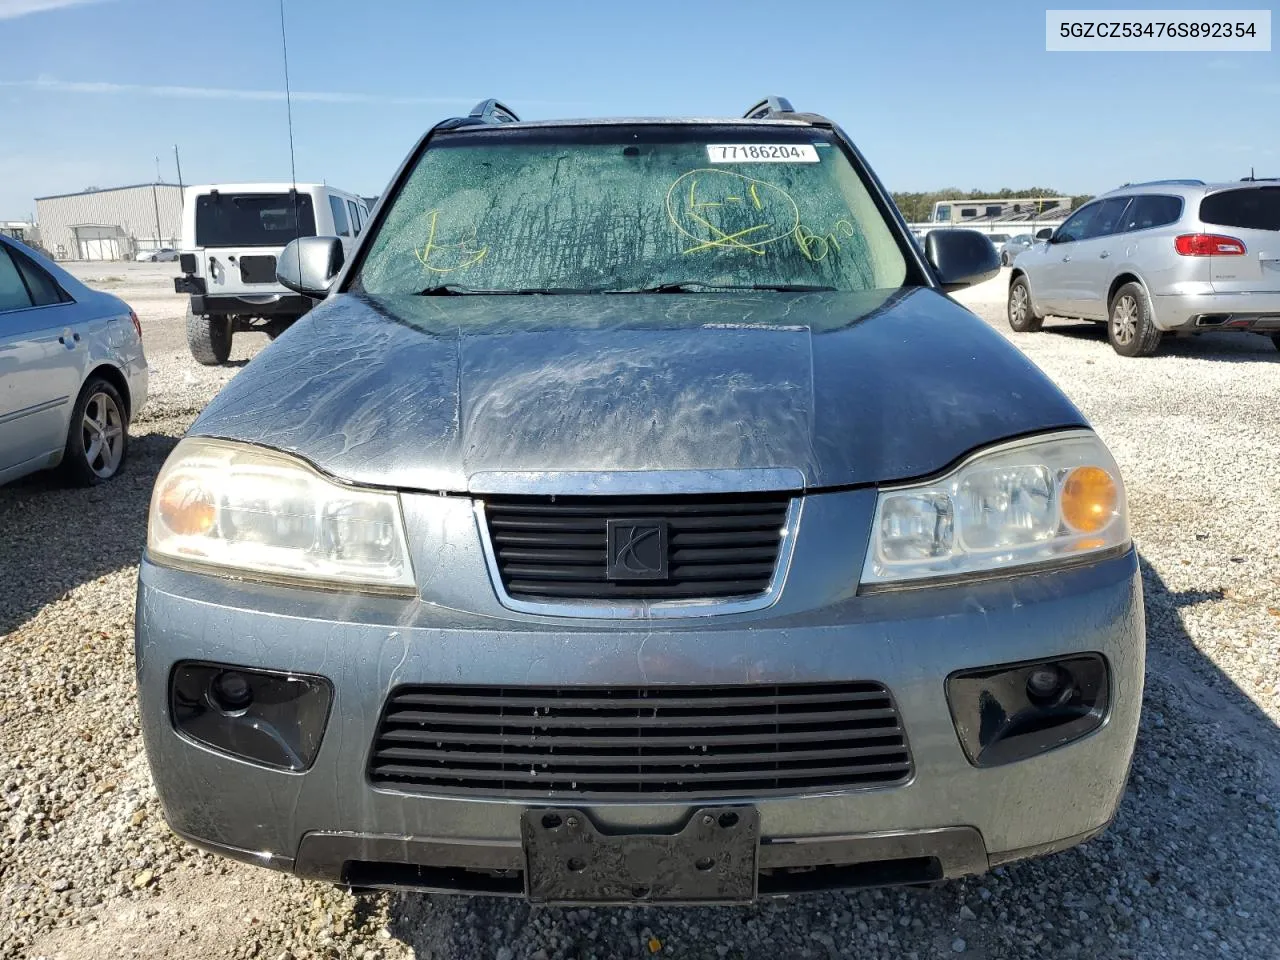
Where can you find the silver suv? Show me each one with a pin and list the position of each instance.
(636, 521)
(1149, 258)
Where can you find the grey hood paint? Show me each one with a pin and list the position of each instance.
(425, 393)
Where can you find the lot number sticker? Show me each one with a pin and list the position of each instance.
(762, 153)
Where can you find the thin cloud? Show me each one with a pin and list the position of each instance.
(51, 85)
(12, 9)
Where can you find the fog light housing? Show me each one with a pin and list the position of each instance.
(265, 717)
(1015, 711)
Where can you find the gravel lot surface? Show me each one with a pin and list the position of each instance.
(1192, 868)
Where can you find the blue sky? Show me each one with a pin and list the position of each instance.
(935, 93)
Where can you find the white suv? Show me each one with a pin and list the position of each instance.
(232, 234)
(1170, 255)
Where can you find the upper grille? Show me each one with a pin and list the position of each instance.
(680, 742)
(716, 546)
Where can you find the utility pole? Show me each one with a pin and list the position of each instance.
(178, 161)
(156, 201)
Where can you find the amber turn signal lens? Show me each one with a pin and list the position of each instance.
(186, 507)
(1089, 499)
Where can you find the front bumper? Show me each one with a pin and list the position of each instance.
(1257, 312)
(949, 819)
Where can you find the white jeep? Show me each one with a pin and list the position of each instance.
(231, 236)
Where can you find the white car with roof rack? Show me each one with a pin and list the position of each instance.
(232, 235)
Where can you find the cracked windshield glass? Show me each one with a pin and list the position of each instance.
(634, 210)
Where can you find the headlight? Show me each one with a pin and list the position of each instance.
(1039, 501)
(264, 515)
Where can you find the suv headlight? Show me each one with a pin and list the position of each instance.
(260, 514)
(1043, 500)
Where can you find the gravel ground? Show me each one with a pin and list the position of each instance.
(1192, 867)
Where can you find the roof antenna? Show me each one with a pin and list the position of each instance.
(288, 103)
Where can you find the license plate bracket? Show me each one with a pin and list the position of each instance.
(258, 269)
(712, 859)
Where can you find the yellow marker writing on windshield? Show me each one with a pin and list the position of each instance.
(431, 248)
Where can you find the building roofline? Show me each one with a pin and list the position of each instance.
(90, 193)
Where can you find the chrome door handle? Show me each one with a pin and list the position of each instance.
(1066, 258)
(1103, 255)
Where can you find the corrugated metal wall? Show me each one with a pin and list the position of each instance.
(131, 210)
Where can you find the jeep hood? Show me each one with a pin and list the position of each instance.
(427, 393)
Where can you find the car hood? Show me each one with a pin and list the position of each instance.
(431, 393)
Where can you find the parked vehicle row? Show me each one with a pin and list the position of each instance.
(1168, 256)
(72, 371)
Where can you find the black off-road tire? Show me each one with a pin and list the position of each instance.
(1130, 328)
(99, 414)
(1020, 311)
(209, 338)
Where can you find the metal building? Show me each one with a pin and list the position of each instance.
(112, 224)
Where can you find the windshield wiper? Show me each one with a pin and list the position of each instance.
(689, 286)
(454, 290)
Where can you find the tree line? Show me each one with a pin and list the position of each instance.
(918, 207)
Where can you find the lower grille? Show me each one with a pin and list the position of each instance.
(601, 743)
(713, 547)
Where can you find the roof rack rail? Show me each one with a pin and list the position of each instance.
(1166, 183)
(768, 107)
(493, 111)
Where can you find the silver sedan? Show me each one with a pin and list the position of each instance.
(1010, 249)
(72, 371)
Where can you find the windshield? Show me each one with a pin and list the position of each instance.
(629, 208)
(252, 219)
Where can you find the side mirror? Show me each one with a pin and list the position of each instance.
(309, 264)
(1045, 234)
(961, 258)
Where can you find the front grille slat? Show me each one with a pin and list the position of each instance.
(659, 698)
(552, 721)
(740, 538)
(541, 540)
(719, 554)
(680, 742)
(627, 777)
(551, 554)
(461, 758)
(717, 546)
(663, 741)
